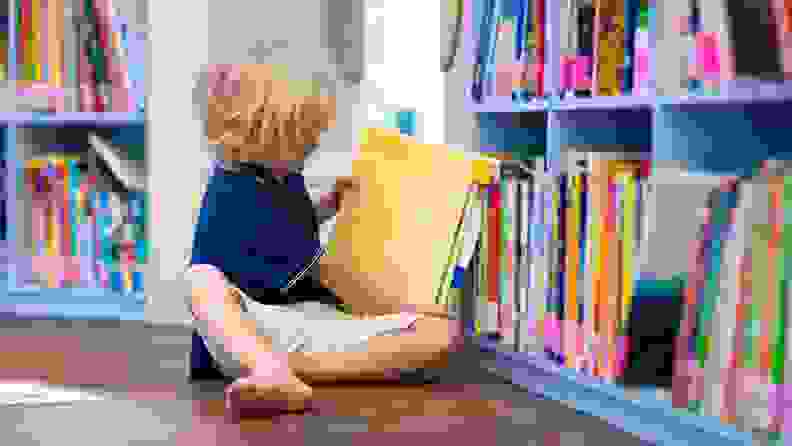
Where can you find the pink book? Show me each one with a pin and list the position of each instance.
(120, 99)
(641, 72)
(567, 73)
(582, 67)
(84, 75)
(782, 14)
(708, 57)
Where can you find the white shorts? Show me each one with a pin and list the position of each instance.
(309, 327)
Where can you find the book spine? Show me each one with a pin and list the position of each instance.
(608, 47)
(96, 58)
(504, 56)
(572, 241)
(541, 39)
(782, 15)
(506, 315)
(22, 24)
(586, 283)
(641, 71)
(671, 49)
(527, 64)
(117, 68)
(585, 45)
(5, 25)
(527, 316)
(85, 73)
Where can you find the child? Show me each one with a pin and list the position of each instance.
(255, 297)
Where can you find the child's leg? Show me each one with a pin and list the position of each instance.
(268, 374)
(426, 346)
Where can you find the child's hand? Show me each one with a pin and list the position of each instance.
(333, 200)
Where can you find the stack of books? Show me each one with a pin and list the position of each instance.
(557, 260)
(90, 56)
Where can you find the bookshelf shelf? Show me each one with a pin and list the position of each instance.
(103, 119)
(604, 103)
(747, 92)
(506, 104)
(692, 139)
(646, 416)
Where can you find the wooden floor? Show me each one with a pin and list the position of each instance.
(149, 401)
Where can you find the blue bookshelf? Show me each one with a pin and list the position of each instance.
(727, 134)
(21, 299)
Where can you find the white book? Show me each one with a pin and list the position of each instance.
(724, 316)
(540, 255)
(508, 310)
(675, 206)
(671, 49)
(714, 19)
(129, 172)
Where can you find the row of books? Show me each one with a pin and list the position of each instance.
(510, 50)
(733, 346)
(605, 47)
(85, 58)
(77, 241)
(557, 260)
(716, 41)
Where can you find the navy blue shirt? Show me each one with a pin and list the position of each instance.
(261, 233)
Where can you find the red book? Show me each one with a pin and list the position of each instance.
(493, 227)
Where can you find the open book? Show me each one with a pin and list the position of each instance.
(395, 232)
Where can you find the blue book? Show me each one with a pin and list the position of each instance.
(485, 44)
(632, 11)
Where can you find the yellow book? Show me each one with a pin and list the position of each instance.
(394, 232)
(608, 46)
(55, 42)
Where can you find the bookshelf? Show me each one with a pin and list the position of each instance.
(49, 116)
(694, 130)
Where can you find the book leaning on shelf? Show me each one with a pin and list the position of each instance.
(733, 347)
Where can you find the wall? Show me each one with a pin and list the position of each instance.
(398, 75)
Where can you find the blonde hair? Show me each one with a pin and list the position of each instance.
(280, 105)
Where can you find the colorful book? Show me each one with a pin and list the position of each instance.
(608, 47)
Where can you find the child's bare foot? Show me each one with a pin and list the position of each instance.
(267, 395)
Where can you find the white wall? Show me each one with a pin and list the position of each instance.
(403, 70)
(402, 58)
